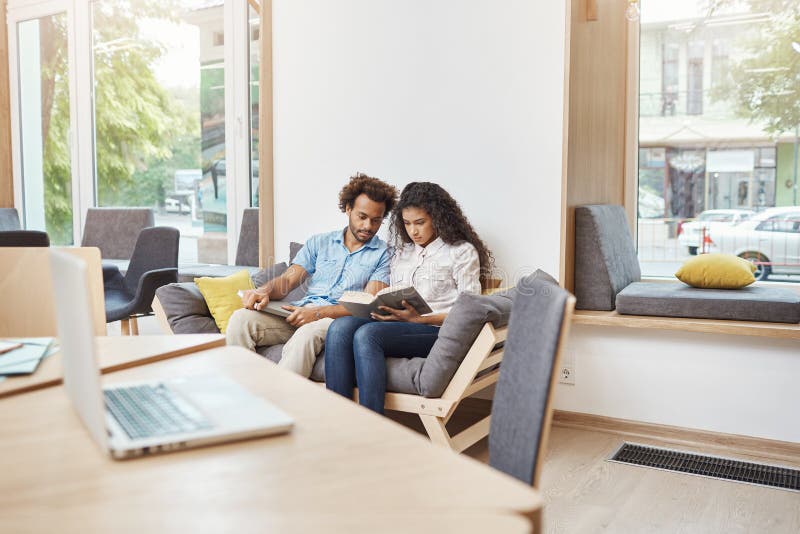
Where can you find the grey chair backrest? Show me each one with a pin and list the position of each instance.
(156, 248)
(521, 409)
(115, 230)
(24, 238)
(247, 249)
(9, 219)
(605, 256)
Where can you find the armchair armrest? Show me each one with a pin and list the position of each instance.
(149, 282)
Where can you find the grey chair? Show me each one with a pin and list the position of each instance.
(521, 411)
(9, 219)
(154, 263)
(24, 238)
(115, 230)
(247, 248)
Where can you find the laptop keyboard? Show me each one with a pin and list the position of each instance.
(153, 410)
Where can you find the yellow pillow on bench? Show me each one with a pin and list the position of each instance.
(221, 297)
(717, 271)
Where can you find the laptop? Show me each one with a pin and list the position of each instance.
(133, 419)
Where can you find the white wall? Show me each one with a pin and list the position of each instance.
(721, 383)
(466, 93)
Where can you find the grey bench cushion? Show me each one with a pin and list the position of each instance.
(676, 299)
(605, 258)
(187, 273)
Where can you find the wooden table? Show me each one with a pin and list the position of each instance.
(341, 469)
(114, 354)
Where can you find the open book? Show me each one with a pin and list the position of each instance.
(361, 304)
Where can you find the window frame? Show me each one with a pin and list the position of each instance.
(82, 128)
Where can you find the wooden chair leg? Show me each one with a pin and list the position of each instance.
(436, 430)
(125, 326)
(134, 326)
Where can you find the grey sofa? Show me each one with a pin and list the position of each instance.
(607, 277)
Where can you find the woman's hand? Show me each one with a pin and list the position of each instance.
(408, 314)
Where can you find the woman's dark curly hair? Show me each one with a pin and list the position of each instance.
(375, 189)
(448, 220)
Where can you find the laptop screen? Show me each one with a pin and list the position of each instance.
(74, 321)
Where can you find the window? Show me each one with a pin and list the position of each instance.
(669, 84)
(44, 111)
(694, 75)
(721, 135)
(159, 102)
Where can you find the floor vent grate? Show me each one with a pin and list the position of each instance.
(708, 466)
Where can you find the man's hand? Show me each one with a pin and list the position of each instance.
(255, 299)
(301, 315)
(408, 314)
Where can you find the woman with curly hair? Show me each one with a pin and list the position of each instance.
(436, 251)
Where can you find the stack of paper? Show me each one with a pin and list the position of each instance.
(25, 358)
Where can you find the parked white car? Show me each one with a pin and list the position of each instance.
(770, 239)
(690, 234)
(173, 206)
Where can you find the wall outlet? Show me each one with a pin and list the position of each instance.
(567, 375)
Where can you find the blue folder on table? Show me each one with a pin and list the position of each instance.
(25, 359)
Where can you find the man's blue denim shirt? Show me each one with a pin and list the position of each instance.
(334, 269)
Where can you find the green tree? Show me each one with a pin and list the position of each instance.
(764, 82)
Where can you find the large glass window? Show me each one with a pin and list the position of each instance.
(156, 107)
(44, 111)
(159, 116)
(718, 134)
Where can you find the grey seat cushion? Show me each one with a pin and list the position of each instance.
(187, 273)
(605, 257)
(246, 256)
(753, 303)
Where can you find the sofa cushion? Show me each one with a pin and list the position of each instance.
(752, 303)
(716, 271)
(605, 257)
(186, 309)
(221, 295)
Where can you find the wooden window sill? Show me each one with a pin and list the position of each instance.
(712, 326)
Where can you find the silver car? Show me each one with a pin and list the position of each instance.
(770, 239)
(691, 234)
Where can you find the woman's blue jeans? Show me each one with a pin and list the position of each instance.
(356, 350)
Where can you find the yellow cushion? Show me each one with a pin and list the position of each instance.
(717, 271)
(221, 297)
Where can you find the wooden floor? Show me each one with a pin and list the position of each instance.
(584, 493)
